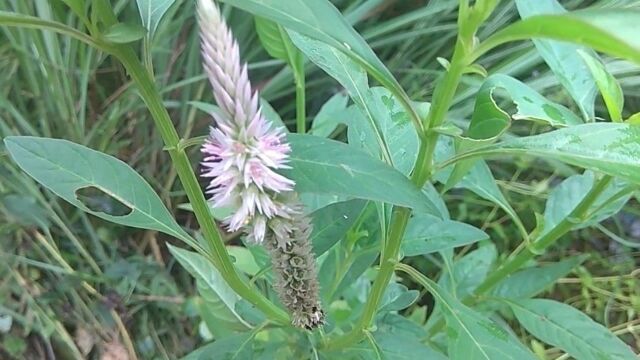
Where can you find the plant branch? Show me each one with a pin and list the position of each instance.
(219, 255)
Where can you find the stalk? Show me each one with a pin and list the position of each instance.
(442, 99)
(220, 256)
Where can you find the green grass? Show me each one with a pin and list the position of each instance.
(65, 275)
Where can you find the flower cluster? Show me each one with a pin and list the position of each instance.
(242, 156)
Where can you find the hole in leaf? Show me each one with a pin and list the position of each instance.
(95, 199)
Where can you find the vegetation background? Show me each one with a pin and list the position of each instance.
(56, 87)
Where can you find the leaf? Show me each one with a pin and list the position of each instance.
(64, 168)
(319, 166)
(77, 6)
(392, 346)
(529, 282)
(607, 84)
(392, 124)
(610, 148)
(320, 20)
(479, 180)
(354, 79)
(426, 234)
(363, 261)
(563, 58)
(565, 198)
(331, 223)
(397, 297)
(151, 12)
(275, 40)
(564, 326)
(328, 118)
(469, 271)
(122, 33)
(472, 335)
(234, 347)
(25, 211)
(222, 297)
(489, 121)
(612, 31)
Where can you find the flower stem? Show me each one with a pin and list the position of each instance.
(301, 117)
(442, 100)
(220, 256)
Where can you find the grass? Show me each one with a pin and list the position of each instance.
(75, 286)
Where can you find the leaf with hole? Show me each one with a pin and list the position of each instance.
(319, 166)
(489, 120)
(564, 326)
(66, 169)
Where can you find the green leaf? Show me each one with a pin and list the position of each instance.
(610, 148)
(122, 33)
(319, 166)
(221, 296)
(331, 223)
(77, 6)
(215, 314)
(469, 271)
(607, 84)
(354, 79)
(235, 347)
(563, 58)
(397, 297)
(529, 282)
(612, 31)
(472, 335)
(320, 20)
(329, 116)
(426, 234)
(479, 180)
(564, 326)
(391, 345)
(565, 197)
(65, 168)
(489, 121)
(25, 211)
(392, 124)
(276, 41)
(151, 12)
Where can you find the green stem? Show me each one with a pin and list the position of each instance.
(220, 256)
(301, 117)
(443, 96)
(518, 259)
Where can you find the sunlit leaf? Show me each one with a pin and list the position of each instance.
(564, 326)
(319, 166)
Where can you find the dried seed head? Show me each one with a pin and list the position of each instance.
(294, 267)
